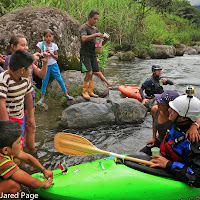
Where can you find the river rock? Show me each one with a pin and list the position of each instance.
(191, 51)
(75, 78)
(32, 21)
(125, 56)
(85, 115)
(162, 51)
(197, 48)
(113, 58)
(180, 49)
(128, 110)
(89, 114)
(80, 99)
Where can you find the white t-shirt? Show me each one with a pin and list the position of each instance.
(52, 48)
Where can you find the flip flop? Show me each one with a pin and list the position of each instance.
(40, 101)
(69, 97)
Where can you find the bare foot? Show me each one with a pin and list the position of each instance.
(110, 84)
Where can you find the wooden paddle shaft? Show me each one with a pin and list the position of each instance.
(126, 157)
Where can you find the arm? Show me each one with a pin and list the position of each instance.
(192, 132)
(43, 71)
(153, 113)
(86, 38)
(3, 110)
(189, 172)
(24, 178)
(29, 159)
(141, 92)
(29, 104)
(166, 81)
(54, 55)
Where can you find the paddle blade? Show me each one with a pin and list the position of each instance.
(72, 144)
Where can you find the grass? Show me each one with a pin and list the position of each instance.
(125, 20)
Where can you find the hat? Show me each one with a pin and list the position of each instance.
(166, 97)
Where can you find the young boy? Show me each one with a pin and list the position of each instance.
(15, 86)
(10, 175)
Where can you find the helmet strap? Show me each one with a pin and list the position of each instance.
(175, 121)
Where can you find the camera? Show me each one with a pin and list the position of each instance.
(190, 91)
(41, 57)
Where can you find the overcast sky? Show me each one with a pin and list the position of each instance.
(195, 2)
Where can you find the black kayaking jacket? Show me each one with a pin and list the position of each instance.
(152, 86)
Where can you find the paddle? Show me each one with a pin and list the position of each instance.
(76, 145)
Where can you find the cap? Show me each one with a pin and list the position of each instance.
(166, 97)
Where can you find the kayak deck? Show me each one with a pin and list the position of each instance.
(104, 179)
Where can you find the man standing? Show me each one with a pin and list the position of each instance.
(88, 60)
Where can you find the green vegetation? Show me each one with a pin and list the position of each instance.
(132, 24)
(103, 57)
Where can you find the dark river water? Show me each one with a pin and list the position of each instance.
(123, 139)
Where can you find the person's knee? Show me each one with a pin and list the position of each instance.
(15, 188)
(88, 76)
(12, 186)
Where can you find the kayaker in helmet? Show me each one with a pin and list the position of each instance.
(161, 123)
(179, 155)
(153, 85)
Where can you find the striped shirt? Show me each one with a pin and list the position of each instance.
(14, 92)
(7, 166)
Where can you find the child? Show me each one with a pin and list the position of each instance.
(10, 175)
(2, 62)
(15, 86)
(19, 42)
(53, 68)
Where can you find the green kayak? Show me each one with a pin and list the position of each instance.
(106, 179)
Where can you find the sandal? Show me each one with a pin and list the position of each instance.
(69, 97)
(40, 101)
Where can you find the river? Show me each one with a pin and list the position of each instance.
(182, 71)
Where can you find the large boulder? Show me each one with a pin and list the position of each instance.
(84, 115)
(89, 114)
(75, 78)
(128, 110)
(180, 49)
(191, 51)
(162, 51)
(32, 21)
(197, 48)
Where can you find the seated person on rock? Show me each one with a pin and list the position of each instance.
(11, 176)
(179, 155)
(152, 85)
(161, 123)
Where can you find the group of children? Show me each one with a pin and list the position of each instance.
(17, 105)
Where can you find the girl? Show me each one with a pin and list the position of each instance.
(48, 46)
(19, 42)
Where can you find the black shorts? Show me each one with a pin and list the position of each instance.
(89, 63)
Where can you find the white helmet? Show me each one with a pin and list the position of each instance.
(186, 106)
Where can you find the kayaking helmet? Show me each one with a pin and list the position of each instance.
(186, 106)
(156, 67)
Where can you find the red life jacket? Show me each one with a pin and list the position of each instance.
(167, 151)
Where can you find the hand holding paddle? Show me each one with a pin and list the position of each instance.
(76, 145)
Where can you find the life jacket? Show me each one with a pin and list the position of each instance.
(175, 146)
(156, 88)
